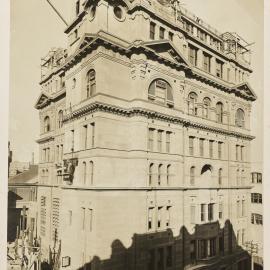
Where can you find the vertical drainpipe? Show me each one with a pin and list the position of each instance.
(183, 191)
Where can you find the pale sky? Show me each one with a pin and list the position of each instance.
(35, 28)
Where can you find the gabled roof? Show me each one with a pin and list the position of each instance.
(244, 90)
(43, 100)
(166, 46)
(27, 177)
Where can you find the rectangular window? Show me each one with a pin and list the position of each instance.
(72, 140)
(170, 36)
(150, 139)
(61, 152)
(236, 152)
(220, 210)
(202, 249)
(83, 217)
(90, 214)
(192, 214)
(220, 150)
(57, 153)
(211, 143)
(206, 62)
(159, 216)
(192, 55)
(203, 212)
(238, 237)
(161, 33)
(159, 140)
(191, 146)
(150, 218)
(212, 247)
(259, 178)
(201, 147)
(85, 127)
(228, 74)
(219, 67)
(168, 141)
(152, 30)
(168, 216)
(242, 153)
(238, 210)
(210, 211)
(93, 134)
(253, 218)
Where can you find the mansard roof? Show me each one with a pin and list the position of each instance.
(160, 50)
(244, 90)
(152, 49)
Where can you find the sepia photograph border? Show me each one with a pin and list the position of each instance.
(4, 112)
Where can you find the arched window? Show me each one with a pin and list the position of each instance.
(168, 174)
(91, 172)
(84, 172)
(192, 106)
(240, 118)
(237, 177)
(151, 174)
(159, 174)
(206, 168)
(243, 178)
(47, 124)
(73, 83)
(219, 110)
(60, 119)
(90, 83)
(192, 176)
(161, 92)
(220, 176)
(206, 107)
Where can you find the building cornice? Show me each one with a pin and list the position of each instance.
(139, 111)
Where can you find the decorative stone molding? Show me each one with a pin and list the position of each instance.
(139, 111)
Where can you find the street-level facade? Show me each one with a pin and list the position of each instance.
(256, 211)
(144, 141)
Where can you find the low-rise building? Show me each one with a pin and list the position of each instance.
(22, 197)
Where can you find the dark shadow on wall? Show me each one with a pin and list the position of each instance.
(14, 216)
(209, 247)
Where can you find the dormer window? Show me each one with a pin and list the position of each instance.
(160, 91)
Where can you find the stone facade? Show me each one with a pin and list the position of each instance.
(144, 142)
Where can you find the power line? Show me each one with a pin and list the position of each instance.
(57, 12)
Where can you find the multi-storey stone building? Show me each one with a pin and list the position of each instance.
(144, 141)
